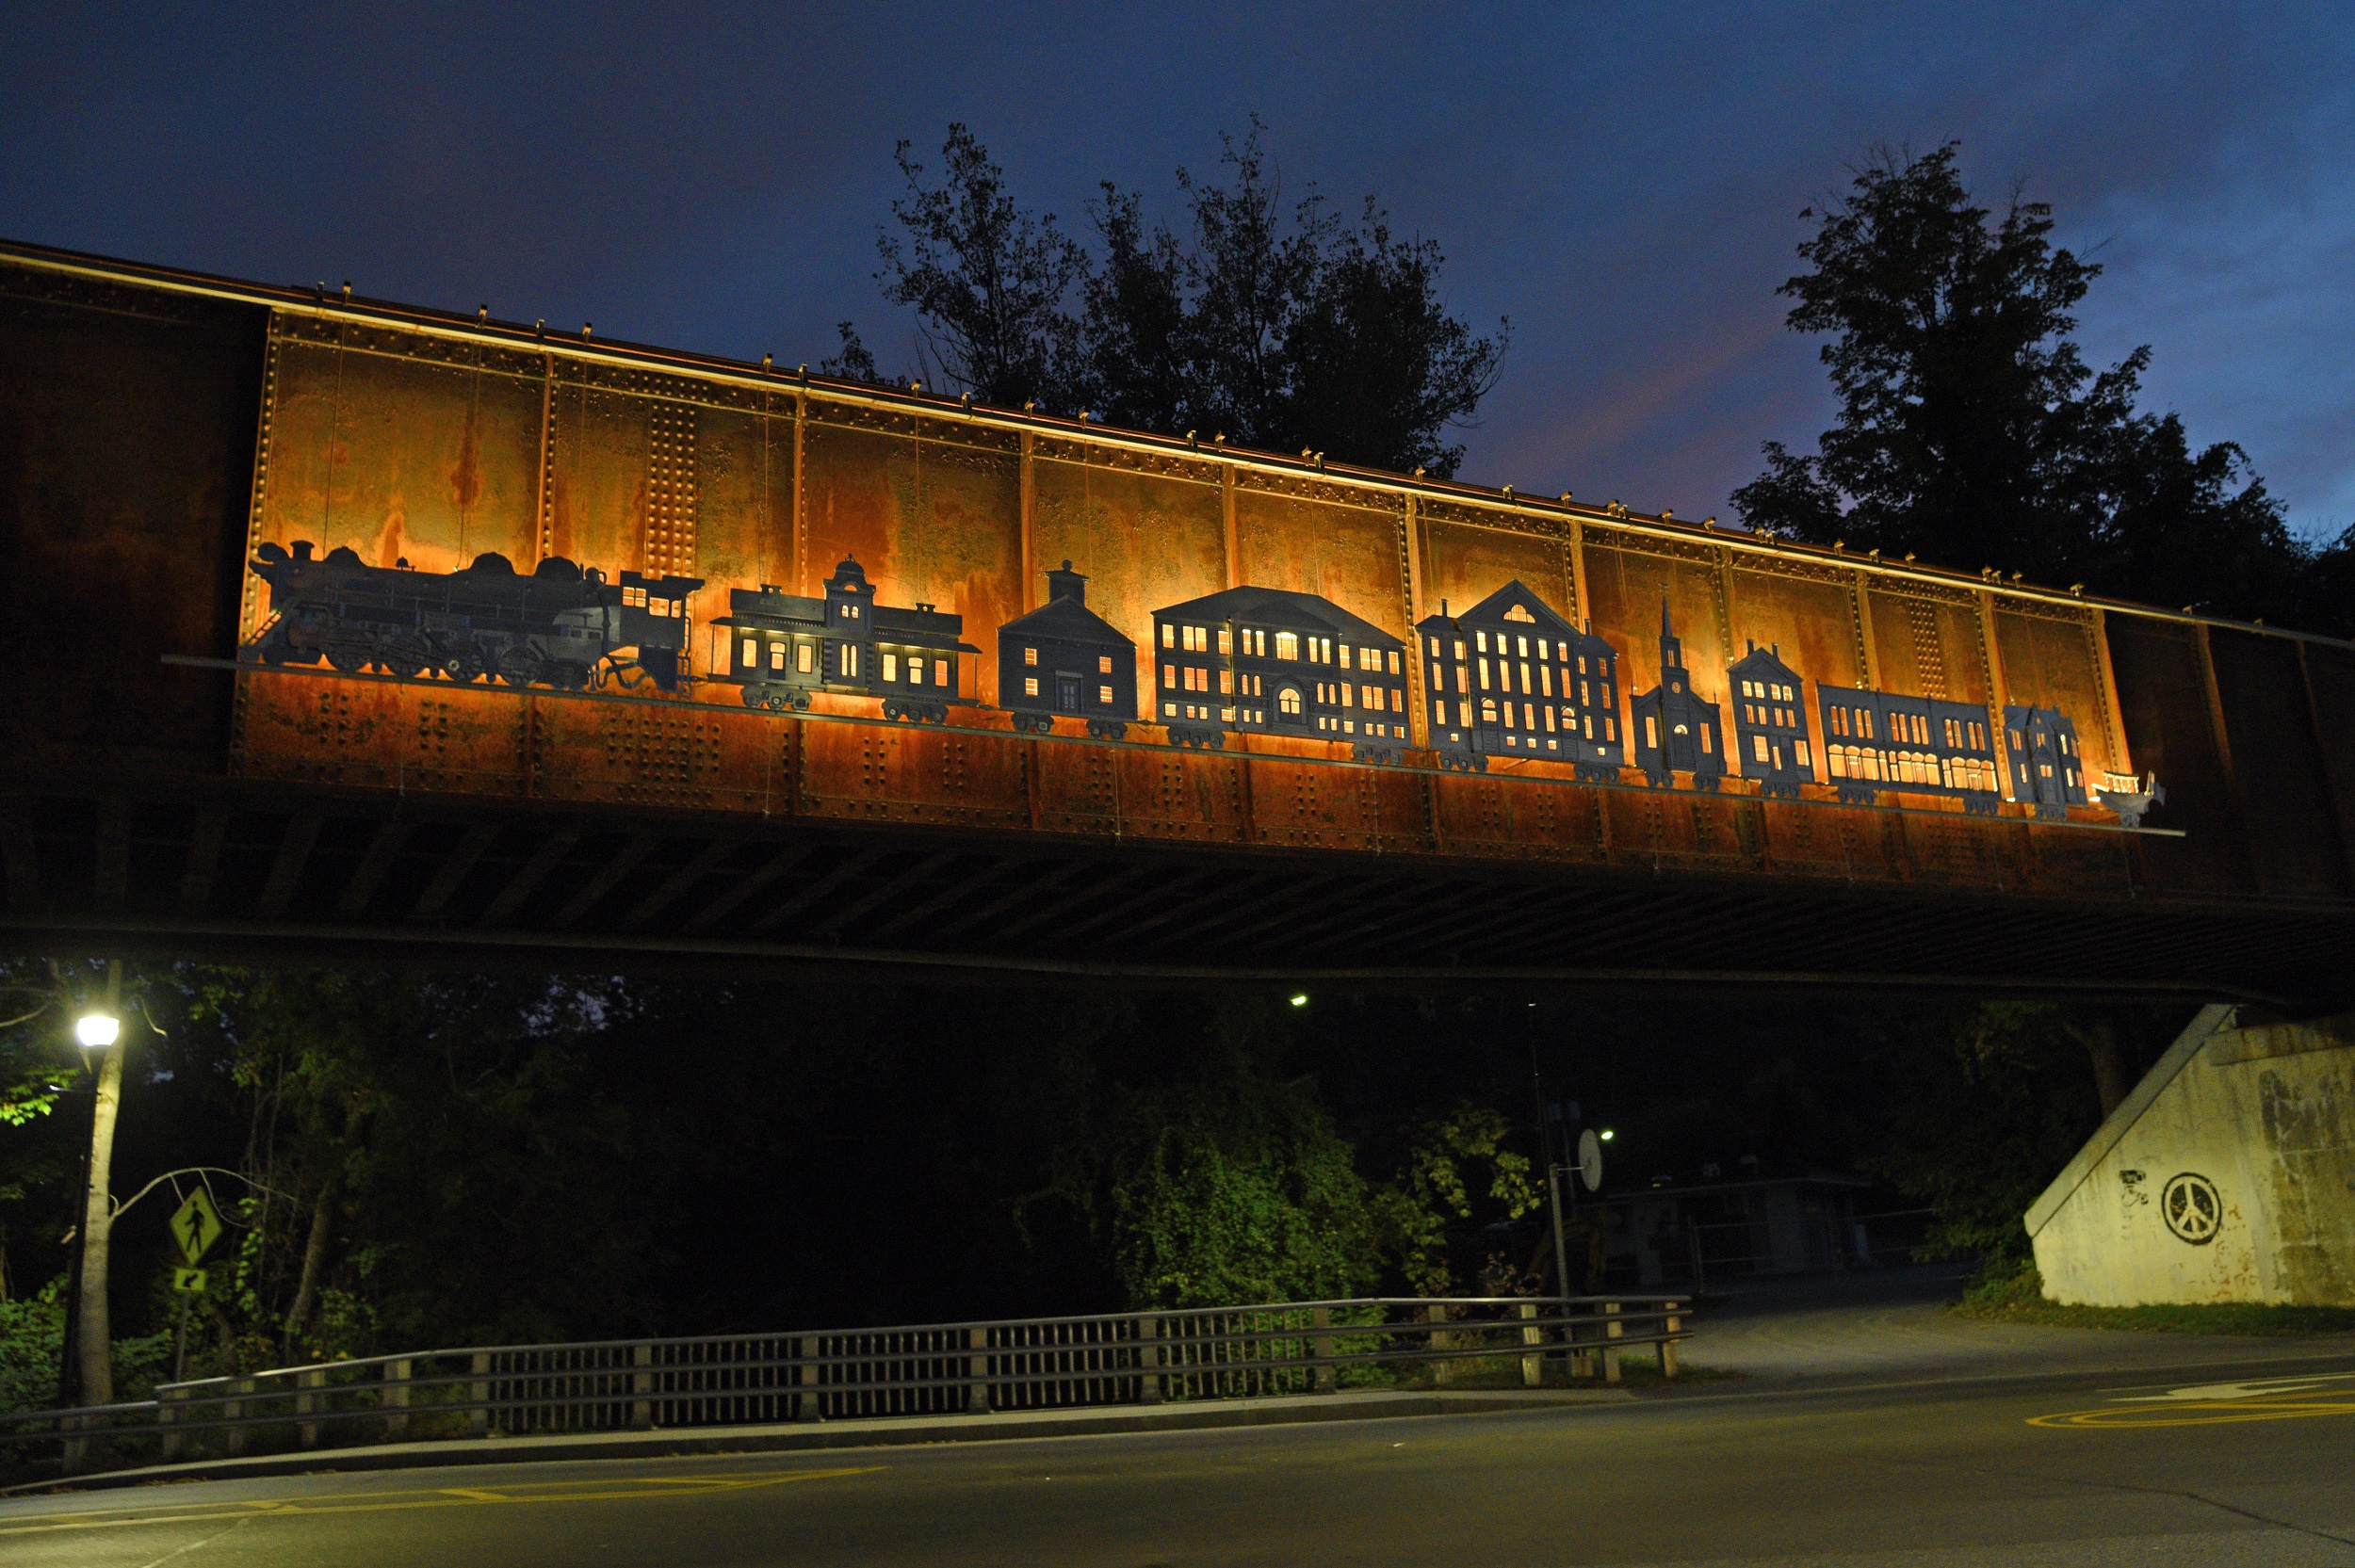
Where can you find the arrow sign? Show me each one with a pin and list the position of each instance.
(189, 1281)
(196, 1225)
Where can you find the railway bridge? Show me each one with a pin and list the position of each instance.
(1954, 795)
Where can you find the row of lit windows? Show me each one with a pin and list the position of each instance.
(805, 654)
(1527, 716)
(1773, 691)
(1289, 645)
(1903, 767)
(1188, 677)
(1772, 756)
(1553, 652)
(635, 598)
(2062, 739)
(914, 671)
(1331, 693)
(1759, 713)
(1333, 725)
(1103, 693)
(1651, 736)
(1103, 661)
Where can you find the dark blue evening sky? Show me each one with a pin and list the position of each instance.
(1623, 182)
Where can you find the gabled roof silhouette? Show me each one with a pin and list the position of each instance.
(1065, 618)
(1258, 603)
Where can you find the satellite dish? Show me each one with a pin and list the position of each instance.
(1590, 1160)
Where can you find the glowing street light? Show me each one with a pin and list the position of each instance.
(97, 1030)
(1301, 1000)
(1604, 1135)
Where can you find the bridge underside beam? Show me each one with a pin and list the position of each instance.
(230, 869)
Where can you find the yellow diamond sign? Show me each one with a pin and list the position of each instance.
(196, 1225)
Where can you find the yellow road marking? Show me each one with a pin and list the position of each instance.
(450, 1496)
(2142, 1414)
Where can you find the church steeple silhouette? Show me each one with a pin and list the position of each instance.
(1674, 729)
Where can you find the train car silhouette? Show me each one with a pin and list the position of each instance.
(782, 648)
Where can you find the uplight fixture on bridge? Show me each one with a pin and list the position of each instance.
(1604, 1135)
(1301, 1000)
(97, 1030)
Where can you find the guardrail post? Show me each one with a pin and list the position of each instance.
(72, 1450)
(1673, 1323)
(1148, 1360)
(805, 1405)
(1437, 1340)
(1534, 1363)
(977, 1369)
(479, 1396)
(1321, 1346)
(307, 1403)
(1612, 1328)
(168, 1449)
(234, 1410)
(396, 1398)
(641, 1387)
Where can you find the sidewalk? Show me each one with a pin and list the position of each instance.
(874, 1433)
(1893, 1324)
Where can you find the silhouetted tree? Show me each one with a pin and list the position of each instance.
(988, 282)
(1277, 325)
(1971, 429)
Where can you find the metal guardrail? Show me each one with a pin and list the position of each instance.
(930, 1369)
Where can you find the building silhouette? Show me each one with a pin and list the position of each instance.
(1511, 677)
(1064, 659)
(1771, 742)
(1876, 740)
(2048, 768)
(1269, 661)
(1673, 730)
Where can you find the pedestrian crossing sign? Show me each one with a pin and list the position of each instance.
(196, 1225)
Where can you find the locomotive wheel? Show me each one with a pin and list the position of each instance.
(348, 657)
(755, 698)
(775, 701)
(406, 659)
(463, 667)
(801, 701)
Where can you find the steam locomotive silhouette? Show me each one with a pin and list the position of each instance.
(562, 626)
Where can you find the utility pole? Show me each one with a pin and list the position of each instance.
(90, 1339)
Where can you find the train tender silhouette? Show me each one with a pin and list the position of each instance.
(562, 626)
(785, 647)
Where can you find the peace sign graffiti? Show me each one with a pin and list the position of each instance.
(2192, 1208)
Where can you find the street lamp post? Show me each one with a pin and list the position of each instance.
(89, 1337)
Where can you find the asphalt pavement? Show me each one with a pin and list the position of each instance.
(1842, 1444)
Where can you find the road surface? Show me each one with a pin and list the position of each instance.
(2091, 1450)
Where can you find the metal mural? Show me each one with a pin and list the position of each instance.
(757, 579)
